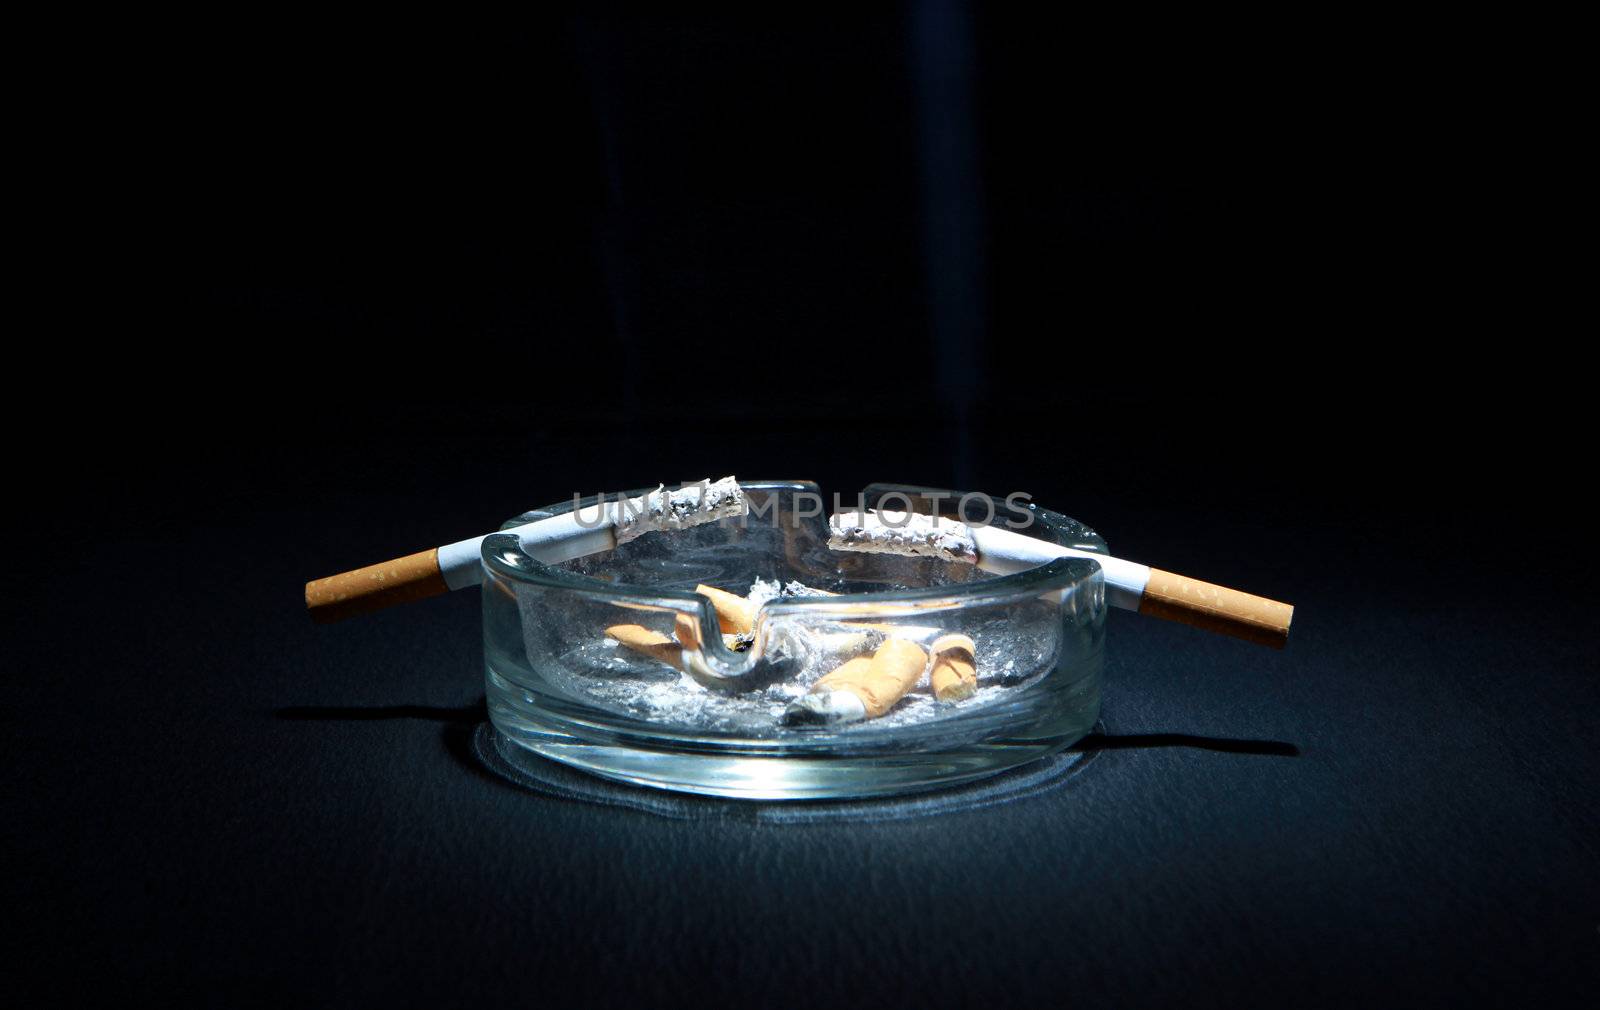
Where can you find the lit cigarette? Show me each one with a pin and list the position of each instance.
(590, 530)
(862, 688)
(1128, 585)
(955, 668)
(646, 642)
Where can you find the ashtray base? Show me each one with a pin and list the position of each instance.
(770, 777)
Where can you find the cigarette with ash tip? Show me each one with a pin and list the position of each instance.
(863, 688)
(1129, 585)
(591, 530)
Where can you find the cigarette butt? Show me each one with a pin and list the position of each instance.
(862, 688)
(651, 643)
(852, 672)
(735, 614)
(840, 643)
(882, 680)
(824, 709)
(687, 631)
(836, 698)
(896, 668)
(642, 606)
(955, 668)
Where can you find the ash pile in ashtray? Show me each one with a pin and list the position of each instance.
(834, 673)
(762, 591)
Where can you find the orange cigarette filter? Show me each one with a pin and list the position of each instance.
(955, 668)
(687, 631)
(735, 614)
(881, 681)
(850, 673)
(650, 643)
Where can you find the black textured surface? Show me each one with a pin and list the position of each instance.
(1237, 298)
(208, 795)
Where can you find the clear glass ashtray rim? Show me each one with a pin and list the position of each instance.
(855, 760)
(503, 554)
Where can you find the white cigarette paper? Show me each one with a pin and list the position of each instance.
(995, 550)
(602, 527)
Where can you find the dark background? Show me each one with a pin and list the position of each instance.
(1252, 299)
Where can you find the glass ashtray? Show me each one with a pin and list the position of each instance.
(562, 688)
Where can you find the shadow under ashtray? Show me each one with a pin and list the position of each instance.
(528, 770)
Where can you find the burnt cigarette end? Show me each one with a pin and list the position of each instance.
(866, 687)
(825, 708)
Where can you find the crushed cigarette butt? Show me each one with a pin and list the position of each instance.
(687, 631)
(875, 684)
(955, 668)
(735, 614)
